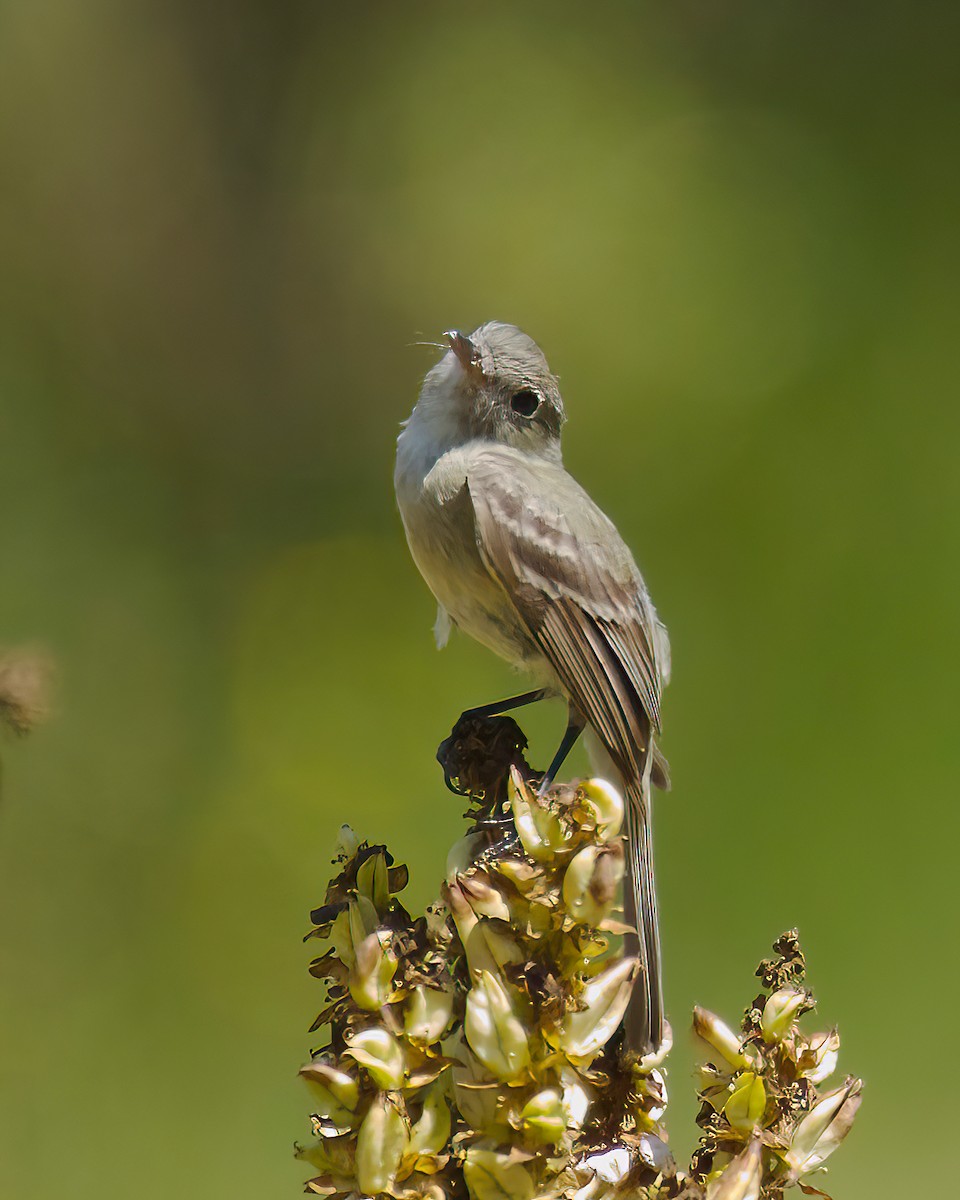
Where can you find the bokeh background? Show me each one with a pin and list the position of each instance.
(224, 231)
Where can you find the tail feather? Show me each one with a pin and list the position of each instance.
(643, 1022)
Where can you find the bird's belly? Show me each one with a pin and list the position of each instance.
(450, 563)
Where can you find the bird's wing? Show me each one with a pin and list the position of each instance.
(575, 586)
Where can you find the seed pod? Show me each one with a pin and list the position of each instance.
(740, 1178)
(371, 979)
(477, 1100)
(818, 1059)
(341, 939)
(363, 920)
(427, 1014)
(540, 831)
(380, 1054)
(824, 1127)
(610, 1166)
(332, 1156)
(489, 947)
(718, 1036)
(590, 883)
(430, 1134)
(605, 999)
(781, 1011)
(494, 1030)
(373, 881)
(485, 899)
(543, 1118)
(576, 1097)
(380, 1145)
(335, 1095)
(493, 1176)
(479, 957)
(463, 854)
(745, 1105)
(656, 1087)
(341, 1085)
(607, 805)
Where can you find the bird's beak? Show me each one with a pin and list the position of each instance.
(467, 353)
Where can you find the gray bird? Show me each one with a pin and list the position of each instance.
(519, 557)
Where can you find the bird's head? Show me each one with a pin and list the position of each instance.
(494, 384)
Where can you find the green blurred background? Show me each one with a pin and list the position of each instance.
(223, 231)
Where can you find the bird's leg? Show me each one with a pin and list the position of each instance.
(575, 726)
(502, 706)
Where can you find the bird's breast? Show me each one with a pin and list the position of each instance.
(439, 520)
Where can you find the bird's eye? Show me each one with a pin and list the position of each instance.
(525, 402)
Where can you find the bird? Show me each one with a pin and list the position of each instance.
(519, 557)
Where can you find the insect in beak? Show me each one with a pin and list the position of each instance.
(467, 353)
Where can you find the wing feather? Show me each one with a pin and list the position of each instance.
(575, 587)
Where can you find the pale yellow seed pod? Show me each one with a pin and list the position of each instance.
(577, 1097)
(373, 881)
(719, 1037)
(463, 854)
(543, 1118)
(371, 978)
(740, 1179)
(605, 997)
(483, 898)
(608, 1166)
(824, 1127)
(494, 1030)
(540, 830)
(477, 1099)
(746, 1103)
(818, 1060)
(490, 1175)
(607, 805)
(430, 1134)
(339, 1084)
(577, 878)
(363, 919)
(659, 1080)
(780, 1013)
(380, 1145)
(427, 1013)
(379, 1052)
(590, 883)
(341, 938)
(335, 1094)
(466, 920)
(488, 944)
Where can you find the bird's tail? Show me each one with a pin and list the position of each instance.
(643, 1021)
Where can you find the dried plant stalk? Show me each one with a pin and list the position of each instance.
(476, 1050)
